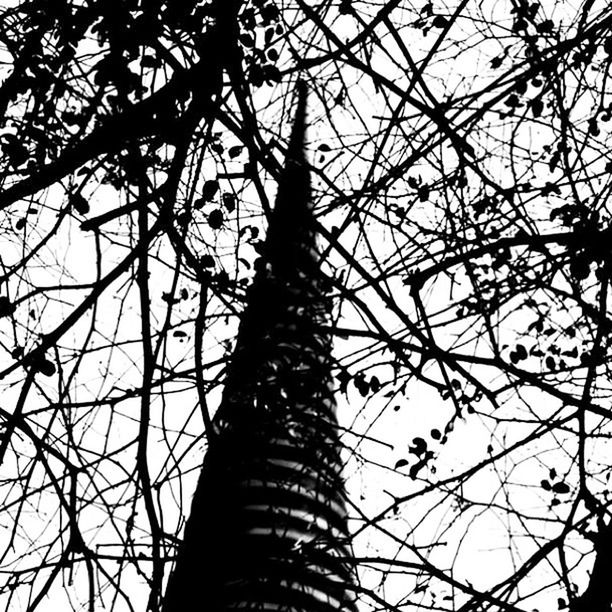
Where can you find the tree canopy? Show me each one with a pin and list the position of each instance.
(461, 166)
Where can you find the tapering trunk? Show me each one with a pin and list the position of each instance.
(597, 596)
(267, 529)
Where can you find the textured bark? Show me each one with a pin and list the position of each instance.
(267, 529)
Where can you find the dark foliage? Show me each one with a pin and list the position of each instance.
(461, 181)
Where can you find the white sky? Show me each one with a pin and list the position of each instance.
(482, 544)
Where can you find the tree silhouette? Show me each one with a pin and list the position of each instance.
(460, 185)
(267, 525)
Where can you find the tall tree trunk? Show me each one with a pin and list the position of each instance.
(597, 596)
(267, 529)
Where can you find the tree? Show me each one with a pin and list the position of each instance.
(461, 176)
(267, 527)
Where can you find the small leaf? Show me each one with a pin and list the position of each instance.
(229, 201)
(79, 203)
(401, 463)
(234, 152)
(215, 219)
(179, 333)
(520, 87)
(269, 13)
(207, 261)
(209, 190)
(545, 485)
(20, 223)
(246, 39)
(324, 148)
(420, 446)
(513, 101)
(46, 367)
(496, 62)
(423, 193)
(561, 488)
(41, 364)
(580, 267)
(537, 106)
(436, 434)
(439, 21)
(272, 73)
(361, 385)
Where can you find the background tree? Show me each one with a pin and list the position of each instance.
(460, 156)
